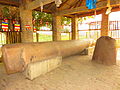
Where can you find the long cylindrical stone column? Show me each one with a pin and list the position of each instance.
(17, 56)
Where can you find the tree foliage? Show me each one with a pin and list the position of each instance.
(44, 17)
(10, 12)
(41, 18)
(81, 19)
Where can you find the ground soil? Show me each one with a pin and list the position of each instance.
(75, 73)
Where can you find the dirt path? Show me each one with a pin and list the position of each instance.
(75, 73)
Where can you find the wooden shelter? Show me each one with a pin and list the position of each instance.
(70, 8)
(35, 59)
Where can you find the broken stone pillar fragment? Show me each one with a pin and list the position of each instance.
(16, 57)
(105, 51)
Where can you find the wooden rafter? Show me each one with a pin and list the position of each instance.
(77, 4)
(83, 9)
(90, 13)
(44, 10)
(74, 4)
(114, 9)
(63, 4)
(66, 4)
(49, 6)
(9, 2)
(35, 4)
(80, 2)
(52, 7)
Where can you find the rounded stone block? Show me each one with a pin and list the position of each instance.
(105, 51)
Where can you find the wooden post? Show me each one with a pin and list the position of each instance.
(56, 25)
(75, 28)
(37, 37)
(26, 19)
(105, 25)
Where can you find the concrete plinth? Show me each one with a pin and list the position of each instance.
(105, 51)
(36, 69)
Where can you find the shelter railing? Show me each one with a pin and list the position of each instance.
(115, 30)
(90, 30)
(42, 35)
(65, 35)
(93, 30)
(10, 31)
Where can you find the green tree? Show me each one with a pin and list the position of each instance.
(44, 17)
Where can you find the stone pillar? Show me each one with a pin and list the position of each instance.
(75, 28)
(105, 25)
(56, 26)
(26, 19)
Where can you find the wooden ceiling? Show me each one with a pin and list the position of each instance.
(66, 4)
(10, 2)
(68, 7)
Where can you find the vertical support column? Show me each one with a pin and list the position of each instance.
(37, 37)
(26, 19)
(56, 26)
(74, 28)
(105, 25)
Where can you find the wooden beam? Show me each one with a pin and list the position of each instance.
(83, 9)
(80, 9)
(9, 2)
(90, 13)
(64, 5)
(79, 4)
(67, 4)
(114, 9)
(74, 4)
(69, 16)
(35, 4)
(44, 10)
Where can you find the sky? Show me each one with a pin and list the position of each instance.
(114, 16)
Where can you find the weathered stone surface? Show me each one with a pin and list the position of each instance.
(105, 51)
(17, 56)
(91, 50)
(35, 69)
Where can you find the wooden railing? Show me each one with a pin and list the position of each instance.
(90, 30)
(94, 31)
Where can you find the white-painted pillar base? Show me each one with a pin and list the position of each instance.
(36, 69)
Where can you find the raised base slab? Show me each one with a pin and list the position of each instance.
(36, 69)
